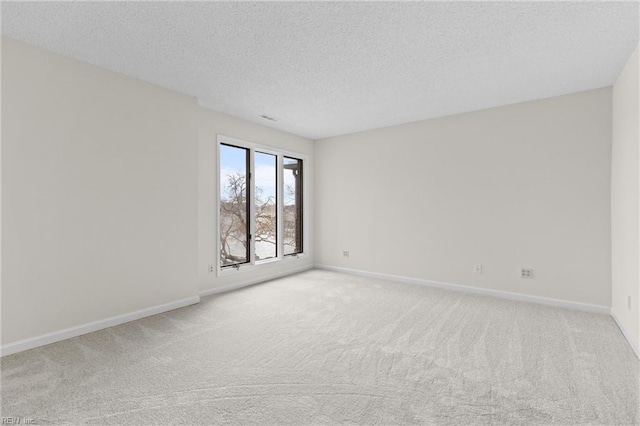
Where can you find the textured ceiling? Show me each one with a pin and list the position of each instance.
(325, 69)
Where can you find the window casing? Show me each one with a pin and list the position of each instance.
(260, 198)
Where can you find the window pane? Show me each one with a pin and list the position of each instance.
(292, 220)
(234, 230)
(265, 199)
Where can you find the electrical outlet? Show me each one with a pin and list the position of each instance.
(629, 302)
(526, 273)
(212, 269)
(477, 269)
(345, 253)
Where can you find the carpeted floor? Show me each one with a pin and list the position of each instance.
(327, 348)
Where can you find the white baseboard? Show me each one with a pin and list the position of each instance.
(625, 332)
(475, 290)
(68, 333)
(261, 279)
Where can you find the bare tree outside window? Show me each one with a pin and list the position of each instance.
(266, 214)
(234, 227)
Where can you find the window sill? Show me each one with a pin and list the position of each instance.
(261, 264)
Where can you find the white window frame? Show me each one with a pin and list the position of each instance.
(252, 264)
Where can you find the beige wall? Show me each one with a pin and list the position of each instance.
(99, 187)
(211, 124)
(108, 188)
(525, 185)
(625, 197)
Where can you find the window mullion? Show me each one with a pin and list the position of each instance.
(279, 207)
(252, 207)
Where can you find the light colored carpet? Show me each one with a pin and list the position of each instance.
(327, 348)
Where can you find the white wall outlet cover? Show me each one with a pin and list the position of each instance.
(526, 273)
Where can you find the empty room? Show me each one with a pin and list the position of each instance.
(319, 213)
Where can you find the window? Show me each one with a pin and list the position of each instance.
(260, 204)
(234, 207)
(292, 205)
(266, 215)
